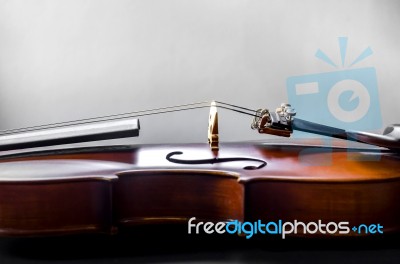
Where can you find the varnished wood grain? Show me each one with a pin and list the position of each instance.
(91, 191)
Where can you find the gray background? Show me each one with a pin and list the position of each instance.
(66, 60)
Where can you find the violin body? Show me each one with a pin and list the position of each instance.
(110, 189)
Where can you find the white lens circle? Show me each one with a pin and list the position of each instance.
(358, 90)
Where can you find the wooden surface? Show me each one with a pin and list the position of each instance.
(100, 190)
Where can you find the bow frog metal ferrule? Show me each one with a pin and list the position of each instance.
(277, 123)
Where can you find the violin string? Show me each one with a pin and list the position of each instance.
(139, 113)
(95, 119)
(238, 111)
(236, 106)
(122, 116)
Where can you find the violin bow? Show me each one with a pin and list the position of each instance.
(282, 122)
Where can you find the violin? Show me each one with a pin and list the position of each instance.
(110, 189)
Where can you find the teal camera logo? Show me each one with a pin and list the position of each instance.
(345, 98)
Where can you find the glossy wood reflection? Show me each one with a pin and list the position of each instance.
(103, 190)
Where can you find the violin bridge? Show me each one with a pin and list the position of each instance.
(213, 138)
